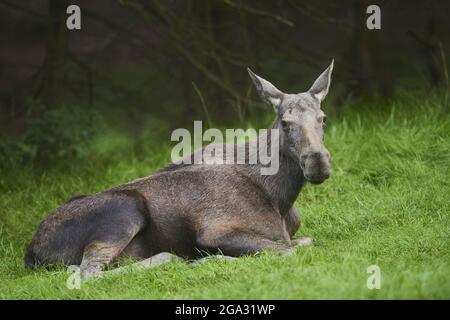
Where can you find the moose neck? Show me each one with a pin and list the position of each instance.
(284, 186)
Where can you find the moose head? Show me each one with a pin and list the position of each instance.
(301, 122)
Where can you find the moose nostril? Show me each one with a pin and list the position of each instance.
(304, 158)
(315, 155)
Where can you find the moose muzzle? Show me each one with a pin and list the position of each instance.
(316, 165)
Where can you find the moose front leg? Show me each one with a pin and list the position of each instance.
(242, 243)
(292, 220)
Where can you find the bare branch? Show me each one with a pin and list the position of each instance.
(259, 12)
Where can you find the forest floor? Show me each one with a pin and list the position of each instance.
(387, 204)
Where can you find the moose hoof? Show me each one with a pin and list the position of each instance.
(90, 273)
(221, 257)
(295, 243)
(303, 241)
(158, 259)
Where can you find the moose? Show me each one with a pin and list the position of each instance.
(189, 209)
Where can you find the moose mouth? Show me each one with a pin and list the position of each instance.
(317, 178)
(316, 170)
(316, 166)
(316, 173)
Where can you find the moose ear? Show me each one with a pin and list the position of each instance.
(267, 91)
(320, 87)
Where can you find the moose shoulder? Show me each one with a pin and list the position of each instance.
(185, 209)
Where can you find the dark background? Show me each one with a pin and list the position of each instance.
(156, 65)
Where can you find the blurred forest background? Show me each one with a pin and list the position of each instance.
(150, 66)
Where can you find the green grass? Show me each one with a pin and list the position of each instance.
(387, 204)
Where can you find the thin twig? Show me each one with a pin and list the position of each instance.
(259, 12)
(208, 119)
(23, 9)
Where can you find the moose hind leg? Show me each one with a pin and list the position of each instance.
(115, 230)
(241, 243)
(98, 254)
(152, 262)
